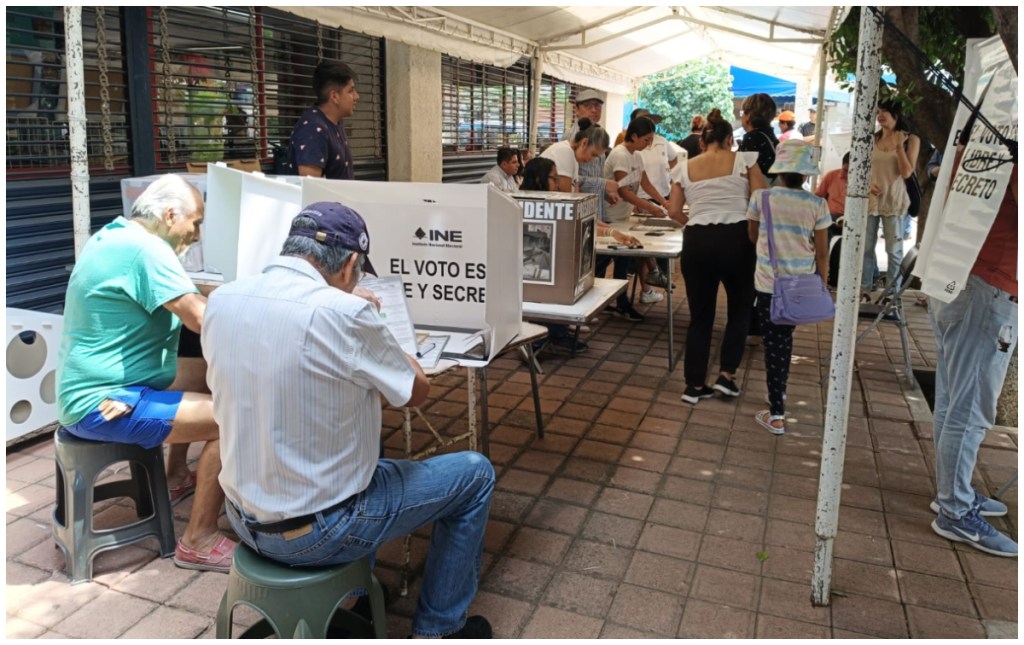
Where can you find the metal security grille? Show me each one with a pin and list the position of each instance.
(37, 127)
(554, 109)
(230, 82)
(483, 108)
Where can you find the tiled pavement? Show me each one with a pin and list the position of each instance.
(636, 515)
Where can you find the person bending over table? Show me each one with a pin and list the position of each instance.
(299, 358)
(625, 166)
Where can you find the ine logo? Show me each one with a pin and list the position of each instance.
(951, 287)
(439, 236)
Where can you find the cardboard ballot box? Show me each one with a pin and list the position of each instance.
(455, 246)
(558, 245)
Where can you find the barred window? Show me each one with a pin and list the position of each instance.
(484, 107)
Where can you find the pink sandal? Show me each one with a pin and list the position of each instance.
(182, 491)
(767, 420)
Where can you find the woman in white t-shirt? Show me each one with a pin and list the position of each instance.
(625, 166)
(591, 141)
(716, 251)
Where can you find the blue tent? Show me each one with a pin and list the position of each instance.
(746, 82)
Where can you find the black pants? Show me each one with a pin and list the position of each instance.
(712, 255)
(778, 351)
(620, 272)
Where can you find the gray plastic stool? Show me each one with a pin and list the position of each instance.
(299, 602)
(79, 462)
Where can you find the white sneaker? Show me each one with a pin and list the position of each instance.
(649, 297)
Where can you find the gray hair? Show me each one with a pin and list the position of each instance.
(169, 191)
(329, 259)
(595, 135)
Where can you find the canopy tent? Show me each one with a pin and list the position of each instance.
(607, 48)
(746, 82)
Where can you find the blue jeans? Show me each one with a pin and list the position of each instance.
(892, 229)
(453, 491)
(974, 338)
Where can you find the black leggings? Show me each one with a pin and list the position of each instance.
(716, 254)
(778, 351)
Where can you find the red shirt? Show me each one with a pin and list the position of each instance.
(997, 260)
(833, 189)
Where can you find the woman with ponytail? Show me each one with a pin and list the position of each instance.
(716, 250)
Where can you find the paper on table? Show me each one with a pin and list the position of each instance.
(429, 351)
(393, 309)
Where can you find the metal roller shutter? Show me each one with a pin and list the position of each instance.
(484, 108)
(219, 66)
(40, 245)
(555, 106)
(207, 73)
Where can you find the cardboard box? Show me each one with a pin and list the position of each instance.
(558, 245)
(248, 216)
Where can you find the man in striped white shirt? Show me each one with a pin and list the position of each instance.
(503, 175)
(298, 359)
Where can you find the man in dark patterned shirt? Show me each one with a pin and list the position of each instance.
(319, 147)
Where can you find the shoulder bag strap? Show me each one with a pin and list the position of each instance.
(766, 210)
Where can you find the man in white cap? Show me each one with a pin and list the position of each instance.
(589, 104)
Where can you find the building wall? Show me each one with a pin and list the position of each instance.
(413, 113)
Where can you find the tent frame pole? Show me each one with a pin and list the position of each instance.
(844, 332)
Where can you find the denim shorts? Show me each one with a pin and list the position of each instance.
(147, 425)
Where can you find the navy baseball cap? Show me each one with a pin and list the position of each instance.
(338, 226)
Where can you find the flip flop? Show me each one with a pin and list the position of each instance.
(765, 418)
(183, 490)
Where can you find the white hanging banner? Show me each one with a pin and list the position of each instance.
(957, 225)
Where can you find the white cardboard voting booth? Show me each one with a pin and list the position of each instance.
(247, 220)
(457, 247)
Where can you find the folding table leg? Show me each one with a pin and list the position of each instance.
(485, 426)
(536, 394)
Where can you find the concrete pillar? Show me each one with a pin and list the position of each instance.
(413, 79)
(613, 114)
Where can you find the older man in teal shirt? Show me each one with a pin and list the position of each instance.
(116, 374)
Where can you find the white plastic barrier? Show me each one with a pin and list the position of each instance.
(33, 340)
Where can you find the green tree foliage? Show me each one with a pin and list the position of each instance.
(941, 33)
(695, 87)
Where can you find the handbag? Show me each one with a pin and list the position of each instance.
(796, 299)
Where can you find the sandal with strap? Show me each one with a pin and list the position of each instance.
(184, 489)
(767, 420)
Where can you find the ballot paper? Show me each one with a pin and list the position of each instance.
(394, 310)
